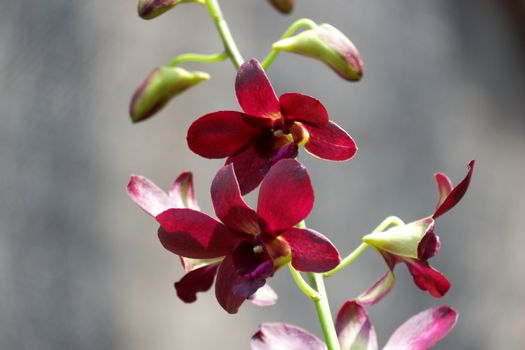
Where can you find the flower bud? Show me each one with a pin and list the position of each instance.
(285, 6)
(159, 88)
(327, 44)
(149, 9)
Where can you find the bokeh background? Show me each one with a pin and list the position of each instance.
(81, 266)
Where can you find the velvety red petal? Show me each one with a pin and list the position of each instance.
(282, 336)
(182, 191)
(330, 142)
(199, 280)
(255, 93)
(427, 278)
(250, 167)
(311, 251)
(354, 329)
(227, 279)
(220, 134)
(303, 108)
(193, 234)
(429, 245)
(424, 330)
(286, 196)
(229, 206)
(456, 194)
(149, 196)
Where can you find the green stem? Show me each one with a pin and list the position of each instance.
(225, 33)
(353, 256)
(303, 285)
(195, 57)
(303, 22)
(323, 312)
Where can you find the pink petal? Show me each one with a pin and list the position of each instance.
(264, 296)
(220, 134)
(149, 196)
(286, 196)
(227, 279)
(303, 108)
(423, 330)
(229, 206)
(199, 280)
(255, 93)
(427, 278)
(282, 336)
(354, 329)
(444, 187)
(311, 251)
(330, 142)
(193, 234)
(378, 290)
(456, 194)
(182, 192)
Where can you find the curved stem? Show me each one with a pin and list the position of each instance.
(353, 256)
(196, 57)
(225, 33)
(303, 22)
(303, 285)
(323, 312)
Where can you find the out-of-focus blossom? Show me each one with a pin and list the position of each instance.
(328, 45)
(161, 85)
(355, 331)
(252, 245)
(415, 243)
(270, 129)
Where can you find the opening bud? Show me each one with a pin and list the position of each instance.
(327, 44)
(284, 6)
(159, 88)
(149, 9)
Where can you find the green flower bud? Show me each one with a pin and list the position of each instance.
(149, 9)
(285, 6)
(327, 44)
(401, 240)
(159, 88)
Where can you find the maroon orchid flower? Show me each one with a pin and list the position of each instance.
(355, 331)
(252, 244)
(200, 273)
(415, 243)
(270, 129)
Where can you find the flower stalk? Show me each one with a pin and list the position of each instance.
(196, 57)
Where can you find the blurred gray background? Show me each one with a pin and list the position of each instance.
(81, 266)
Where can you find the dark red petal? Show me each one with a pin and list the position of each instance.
(255, 93)
(330, 142)
(182, 191)
(220, 134)
(250, 167)
(193, 234)
(303, 108)
(199, 280)
(229, 206)
(424, 330)
(354, 329)
(456, 194)
(429, 245)
(286, 196)
(311, 251)
(227, 279)
(282, 336)
(427, 278)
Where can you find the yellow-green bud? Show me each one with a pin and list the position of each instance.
(159, 88)
(149, 9)
(327, 44)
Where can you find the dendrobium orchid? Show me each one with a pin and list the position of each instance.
(269, 129)
(415, 243)
(355, 331)
(251, 245)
